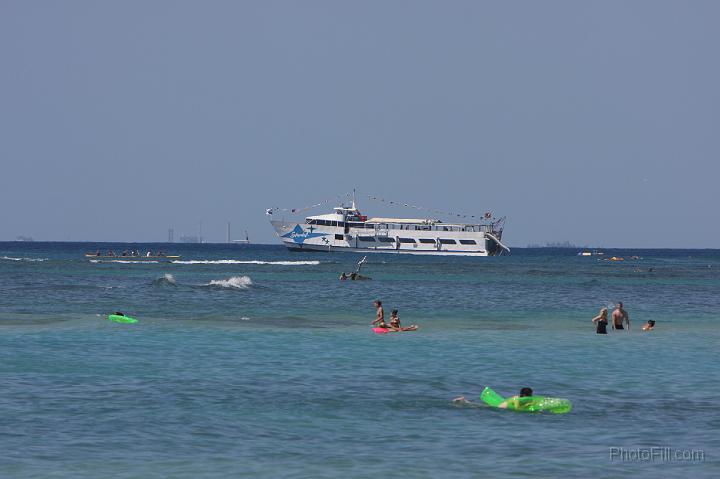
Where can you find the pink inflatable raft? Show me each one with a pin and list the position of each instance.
(388, 330)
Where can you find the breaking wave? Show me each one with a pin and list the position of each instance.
(166, 280)
(237, 261)
(235, 282)
(10, 258)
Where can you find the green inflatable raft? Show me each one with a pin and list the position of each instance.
(121, 318)
(526, 404)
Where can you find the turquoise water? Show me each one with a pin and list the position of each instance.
(254, 361)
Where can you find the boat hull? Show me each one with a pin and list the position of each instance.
(303, 237)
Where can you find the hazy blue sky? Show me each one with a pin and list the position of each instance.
(593, 122)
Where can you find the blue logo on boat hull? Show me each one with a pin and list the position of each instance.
(299, 235)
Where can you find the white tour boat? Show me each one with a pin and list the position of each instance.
(346, 229)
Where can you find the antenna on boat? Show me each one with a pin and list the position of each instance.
(353, 203)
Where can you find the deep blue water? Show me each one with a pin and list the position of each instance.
(251, 360)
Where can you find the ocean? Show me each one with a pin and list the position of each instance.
(252, 361)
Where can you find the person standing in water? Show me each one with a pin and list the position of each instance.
(602, 321)
(380, 315)
(620, 316)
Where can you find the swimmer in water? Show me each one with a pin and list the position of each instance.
(524, 392)
(343, 277)
(620, 316)
(380, 315)
(602, 321)
(649, 326)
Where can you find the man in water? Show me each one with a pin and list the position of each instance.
(524, 392)
(619, 316)
(649, 326)
(380, 315)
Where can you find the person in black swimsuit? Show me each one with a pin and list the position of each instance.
(602, 321)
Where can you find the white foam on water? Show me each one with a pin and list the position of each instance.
(121, 261)
(237, 261)
(169, 278)
(10, 258)
(235, 282)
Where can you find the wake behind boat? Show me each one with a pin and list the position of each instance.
(346, 229)
(131, 256)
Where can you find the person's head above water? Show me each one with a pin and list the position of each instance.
(525, 392)
(378, 302)
(619, 305)
(651, 322)
(394, 312)
(603, 312)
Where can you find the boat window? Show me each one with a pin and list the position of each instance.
(311, 222)
(339, 237)
(341, 224)
(468, 242)
(366, 238)
(385, 239)
(407, 240)
(447, 241)
(427, 240)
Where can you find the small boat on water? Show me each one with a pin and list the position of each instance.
(242, 241)
(131, 256)
(591, 253)
(355, 275)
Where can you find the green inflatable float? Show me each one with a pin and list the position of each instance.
(121, 318)
(526, 404)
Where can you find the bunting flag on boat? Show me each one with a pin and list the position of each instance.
(487, 215)
(334, 200)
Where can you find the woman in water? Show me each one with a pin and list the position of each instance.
(648, 327)
(602, 321)
(379, 316)
(395, 323)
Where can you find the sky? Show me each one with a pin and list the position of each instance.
(596, 123)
